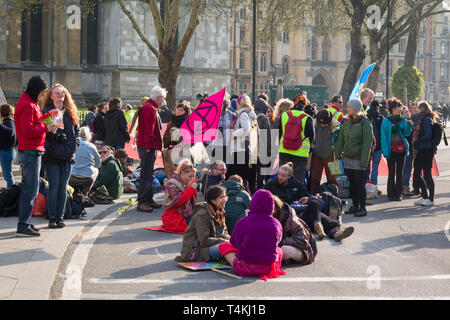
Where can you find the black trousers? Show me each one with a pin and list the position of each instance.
(357, 179)
(396, 163)
(145, 194)
(242, 168)
(424, 162)
(312, 214)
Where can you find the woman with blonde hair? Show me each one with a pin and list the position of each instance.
(282, 106)
(179, 199)
(60, 148)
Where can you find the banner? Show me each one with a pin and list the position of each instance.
(203, 123)
(360, 83)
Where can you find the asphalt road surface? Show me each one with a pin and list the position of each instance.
(398, 251)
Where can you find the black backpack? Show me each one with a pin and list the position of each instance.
(9, 201)
(327, 187)
(333, 205)
(437, 134)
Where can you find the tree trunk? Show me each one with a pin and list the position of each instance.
(411, 46)
(375, 56)
(358, 53)
(167, 77)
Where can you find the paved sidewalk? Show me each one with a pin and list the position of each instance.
(28, 266)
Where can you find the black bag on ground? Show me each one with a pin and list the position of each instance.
(333, 206)
(9, 200)
(101, 196)
(73, 210)
(83, 201)
(327, 187)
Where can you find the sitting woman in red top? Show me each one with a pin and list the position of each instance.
(179, 199)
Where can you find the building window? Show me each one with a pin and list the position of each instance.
(242, 33)
(242, 14)
(443, 71)
(444, 48)
(433, 48)
(401, 62)
(348, 51)
(89, 38)
(241, 61)
(402, 46)
(263, 62)
(325, 51)
(31, 41)
(285, 37)
(314, 48)
(285, 68)
(391, 66)
(433, 71)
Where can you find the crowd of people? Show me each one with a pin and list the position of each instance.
(251, 217)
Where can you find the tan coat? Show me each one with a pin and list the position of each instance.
(200, 235)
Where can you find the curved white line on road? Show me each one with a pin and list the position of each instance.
(73, 280)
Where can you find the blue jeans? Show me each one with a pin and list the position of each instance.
(6, 161)
(375, 163)
(31, 166)
(407, 169)
(214, 253)
(58, 178)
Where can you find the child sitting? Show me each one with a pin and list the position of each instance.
(238, 201)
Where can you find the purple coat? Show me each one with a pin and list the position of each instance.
(256, 236)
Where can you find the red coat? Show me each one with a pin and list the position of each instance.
(30, 128)
(149, 135)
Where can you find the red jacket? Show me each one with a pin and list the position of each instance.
(30, 128)
(149, 135)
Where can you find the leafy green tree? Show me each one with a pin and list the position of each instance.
(407, 83)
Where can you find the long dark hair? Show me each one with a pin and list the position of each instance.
(214, 192)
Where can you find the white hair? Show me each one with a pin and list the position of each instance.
(85, 133)
(158, 92)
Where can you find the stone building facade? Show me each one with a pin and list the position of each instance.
(100, 58)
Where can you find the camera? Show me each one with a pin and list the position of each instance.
(60, 136)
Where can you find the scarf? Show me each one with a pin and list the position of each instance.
(174, 190)
(179, 120)
(217, 215)
(396, 121)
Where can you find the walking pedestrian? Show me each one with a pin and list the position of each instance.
(8, 142)
(394, 146)
(99, 125)
(335, 108)
(353, 147)
(227, 117)
(407, 170)
(265, 155)
(423, 160)
(376, 119)
(297, 133)
(31, 131)
(148, 142)
(116, 125)
(90, 116)
(367, 96)
(60, 148)
(128, 113)
(281, 107)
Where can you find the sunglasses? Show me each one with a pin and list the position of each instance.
(104, 152)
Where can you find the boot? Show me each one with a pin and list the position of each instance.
(406, 192)
(318, 229)
(144, 207)
(342, 234)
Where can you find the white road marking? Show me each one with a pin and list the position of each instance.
(134, 251)
(73, 279)
(157, 252)
(100, 296)
(281, 279)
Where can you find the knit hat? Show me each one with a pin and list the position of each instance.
(301, 99)
(355, 104)
(35, 85)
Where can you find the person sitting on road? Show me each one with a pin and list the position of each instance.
(179, 199)
(110, 174)
(207, 229)
(238, 201)
(290, 190)
(253, 248)
(87, 162)
(122, 156)
(214, 176)
(298, 242)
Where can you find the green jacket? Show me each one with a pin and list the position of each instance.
(355, 140)
(238, 202)
(110, 175)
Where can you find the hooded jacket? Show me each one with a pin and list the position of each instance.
(238, 202)
(386, 135)
(261, 106)
(376, 117)
(149, 135)
(325, 138)
(110, 176)
(116, 128)
(99, 126)
(256, 237)
(7, 134)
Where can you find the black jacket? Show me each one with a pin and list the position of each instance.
(99, 126)
(376, 118)
(293, 191)
(62, 145)
(8, 138)
(116, 128)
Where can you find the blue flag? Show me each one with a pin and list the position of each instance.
(362, 80)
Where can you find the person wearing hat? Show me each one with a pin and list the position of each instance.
(326, 130)
(128, 113)
(31, 131)
(353, 147)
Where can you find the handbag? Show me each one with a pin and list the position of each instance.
(336, 167)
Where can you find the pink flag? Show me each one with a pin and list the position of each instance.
(202, 124)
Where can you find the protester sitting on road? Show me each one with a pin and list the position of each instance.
(31, 131)
(116, 125)
(354, 147)
(179, 198)
(298, 243)
(8, 142)
(238, 201)
(207, 228)
(395, 147)
(87, 162)
(172, 136)
(110, 174)
(60, 148)
(253, 248)
(290, 190)
(122, 156)
(214, 176)
(281, 107)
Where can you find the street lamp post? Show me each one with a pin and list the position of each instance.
(254, 53)
(387, 48)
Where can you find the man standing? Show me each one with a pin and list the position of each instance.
(149, 140)
(367, 97)
(297, 133)
(336, 108)
(31, 132)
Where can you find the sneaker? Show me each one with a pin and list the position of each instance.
(154, 205)
(318, 229)
(427, 203)
(406, 192)
(27, 233)
(34, 228)
(342, 234)
(52, 224)
(419, 202)
(60, 223)
(360, 213)
(352, 210)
